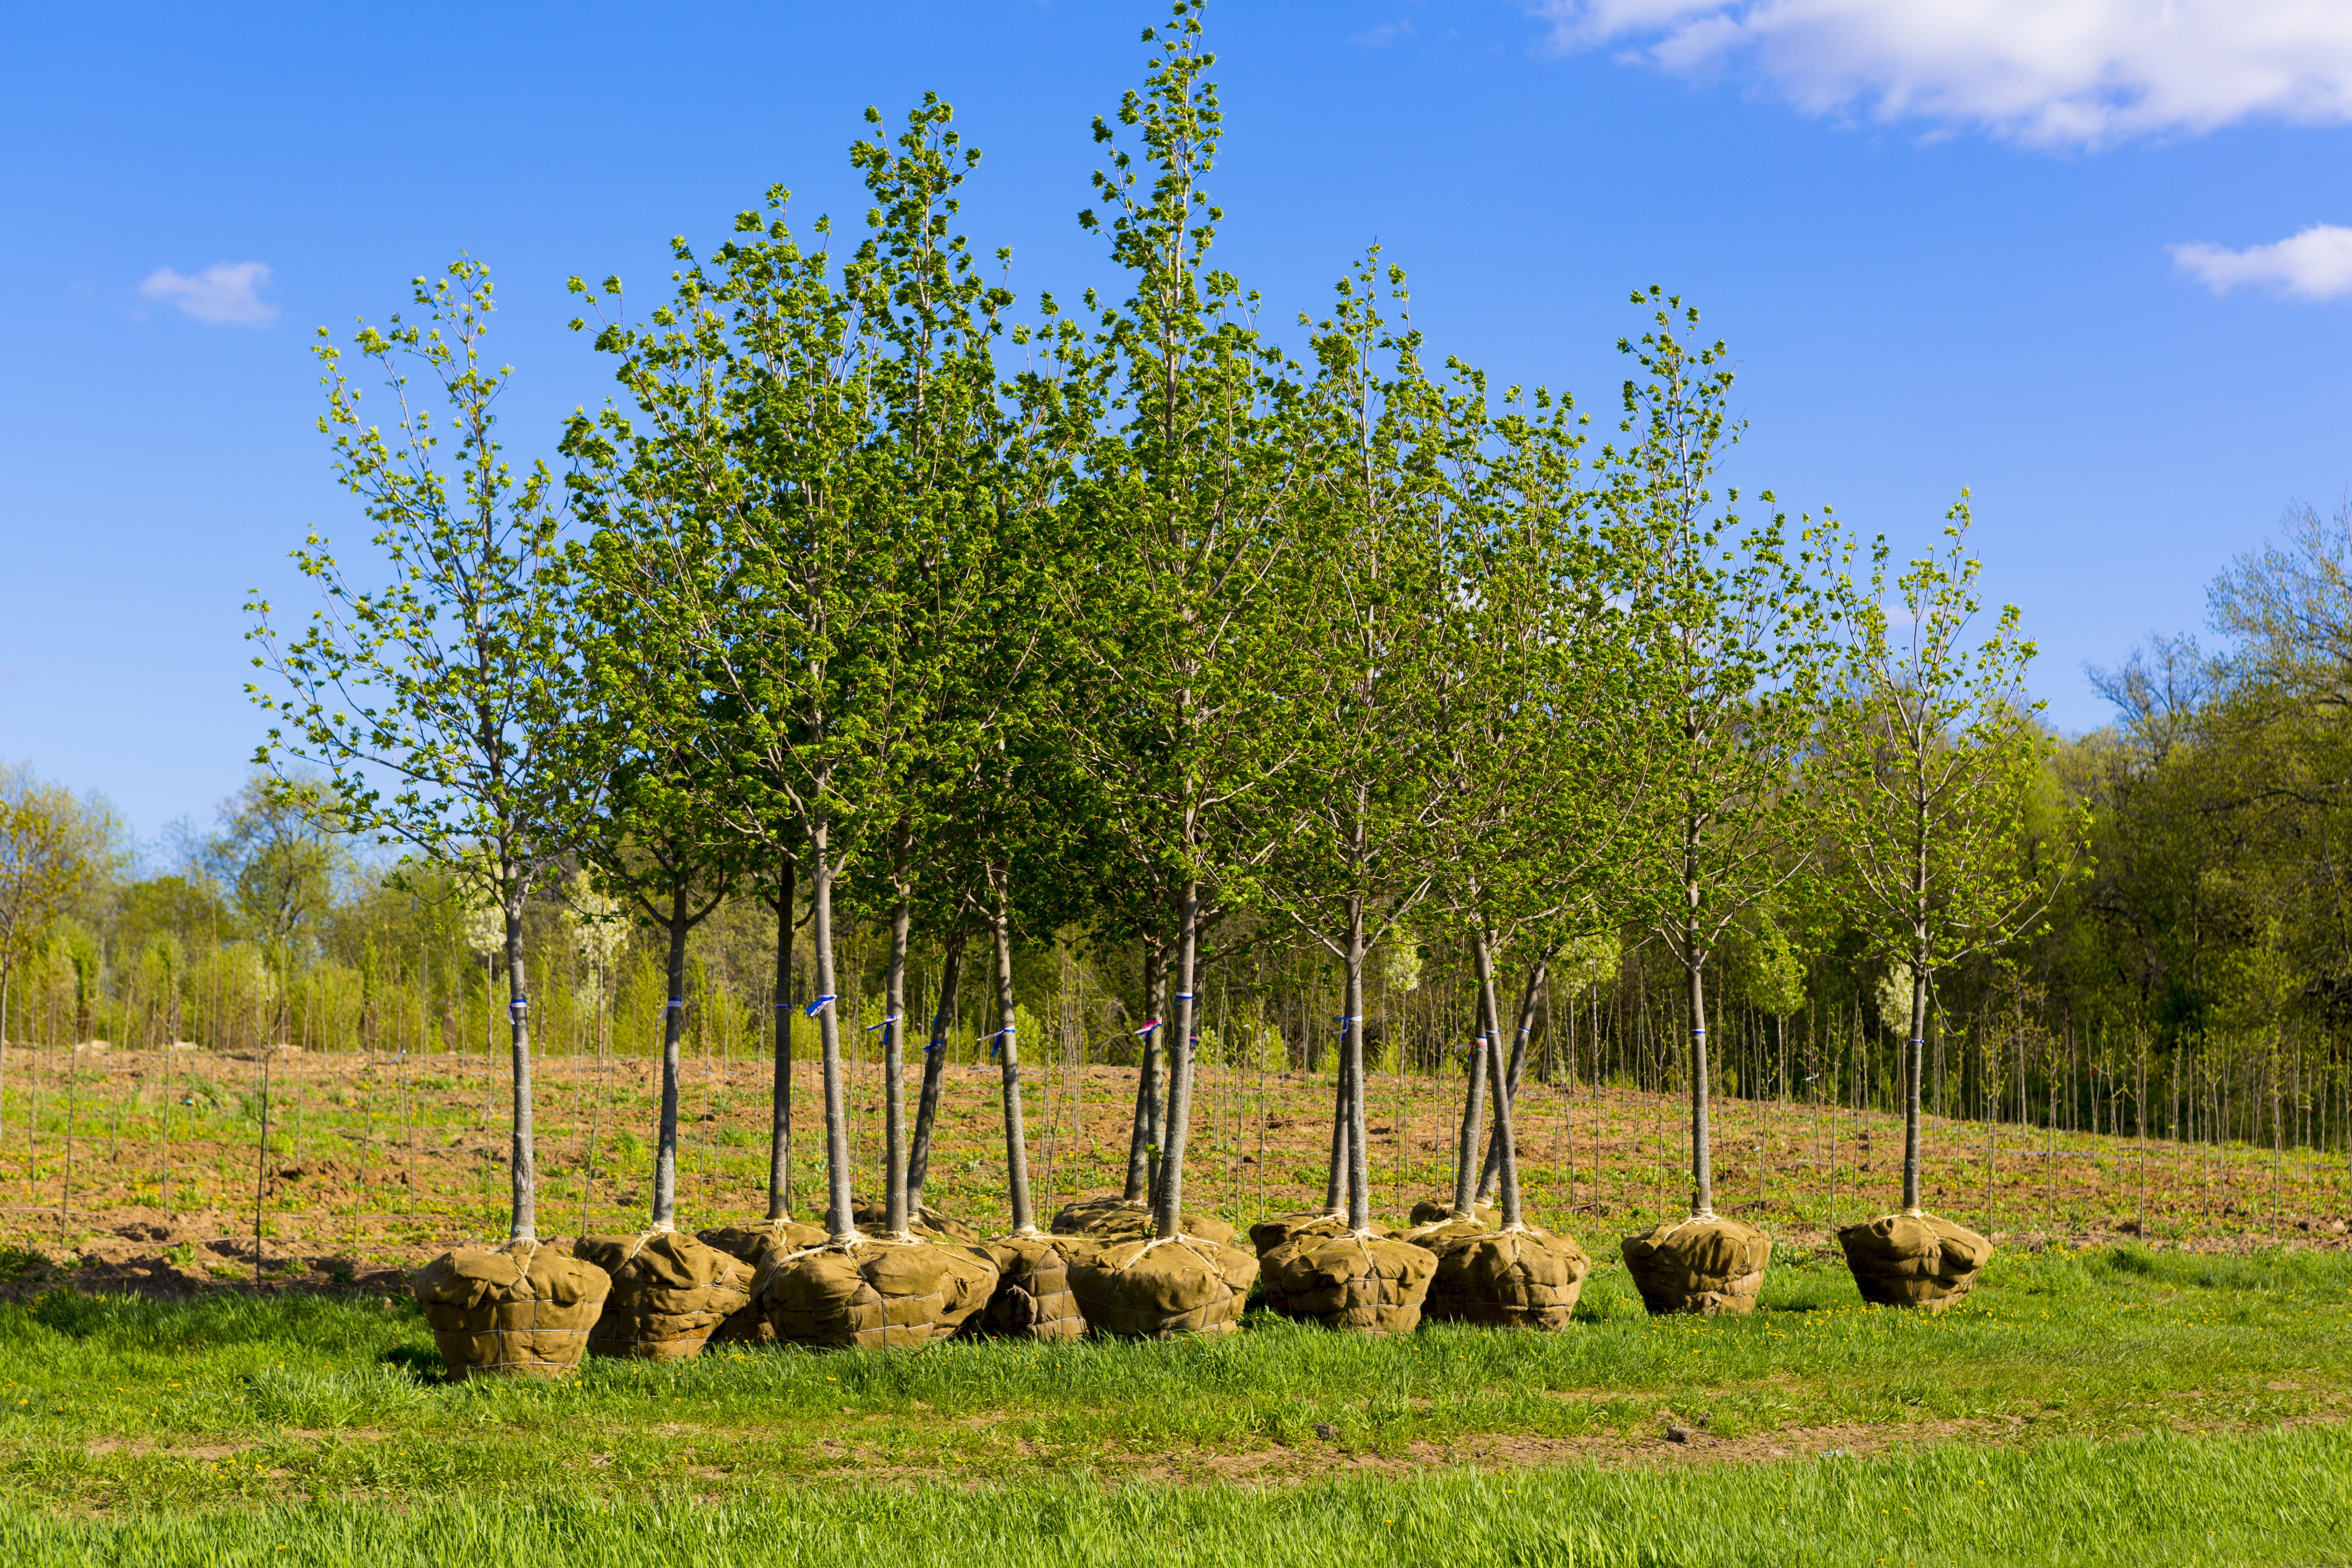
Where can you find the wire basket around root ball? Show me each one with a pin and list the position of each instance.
(1522, 1278)
(670, 1293)
(1706, 1264)
(1370, 1283)
(1118, 1219)
(1032, 1298)
(521, 1309)
(1913, 1260)
(1152, 1289)
(754, 1243)
(875, 1293)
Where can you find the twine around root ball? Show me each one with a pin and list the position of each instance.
(1268, 1234)
(875, 1293)
(1113, 1218)
(521, 1309)
(1368, 1283)
(874, 1218)
(1706, 1265)
(1438, 1211)
(1032, 1298)
(1153, 1289)
(670, 1293)
(1521, 1279)
(1913, 1260)
(754, 1243)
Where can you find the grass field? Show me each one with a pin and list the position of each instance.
(168, 1395)
(2105, 1405)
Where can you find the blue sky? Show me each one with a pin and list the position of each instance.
(1945, 241)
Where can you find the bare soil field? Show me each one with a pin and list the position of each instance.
(151, 1172)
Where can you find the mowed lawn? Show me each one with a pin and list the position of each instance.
(2111, 1405)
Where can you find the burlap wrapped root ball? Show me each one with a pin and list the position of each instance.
(1434, 1222)
(1437, 1211)
(1268, 1234)
(521, 1309)
(1913, 1260)
(875, 1293)
(1522, 1278)
(670, 1293)
(1118, 1219)
(1032, 1298)
(1373, 1284)
(1152, 1289)
(754, 1243)
(1706, 1265)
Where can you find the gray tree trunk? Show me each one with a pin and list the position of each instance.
(840, 1220)
(1168, 1205)
(935, 1057)
(1016, 1140)
(523, 1164)
(779, 1101)
(665, 1210)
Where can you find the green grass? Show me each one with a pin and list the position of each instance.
(2269, 1497)
(2112, 1405)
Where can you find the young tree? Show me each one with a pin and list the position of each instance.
(1929, 761)
(1369, 780)
(438, 704)
(1739, 641)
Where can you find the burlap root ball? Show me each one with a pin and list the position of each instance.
(1701, 1265)
(1268, 1234)
(872, 1218)
(1437, 1211)
(874, 1294)
(521, 1310)
(1913, 1260)
(670, 1293)
(1149, 1289)
(1373, 1284)
(1032, 1299)
(1116, 1219)
(753, 1244)
(1522, 1278)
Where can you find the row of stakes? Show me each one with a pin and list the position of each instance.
(534, 1309)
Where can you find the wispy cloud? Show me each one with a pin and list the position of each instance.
(1386, 33)
(223, 295)
(2314, 265)
(2080, 73)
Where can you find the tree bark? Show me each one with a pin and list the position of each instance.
(935, 1057)
(1511, 1080)
(1167, 1204)
(1702, 1153)
(1143, 1136)
(894, 1077)
(780, 1097)
(1487, 1017)
(665, 1209)
(1352, 1071)
(1911, 1058)
(841, 1221)
(523, 1166)
(1016, 1140)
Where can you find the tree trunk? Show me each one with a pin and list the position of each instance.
(840, 1221)
(1143, 1137)
(1702, 1155)
(1511, 1080)
(1016, 1140)
(1912, 1055)
(523, 1166)
(779, 1101)
(935, 1057)
(1473, 1117)
(893, 1009)
(1168, 1205)
(1487, 1019)
(665, 1211)
(1352, 1072)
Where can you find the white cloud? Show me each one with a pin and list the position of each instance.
(1386, 33)
(2085, 73)
(222, 294)
(2315, 265)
